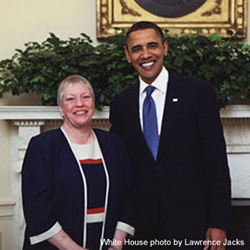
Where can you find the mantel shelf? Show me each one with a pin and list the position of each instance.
(52, 112)
(40, 113)
(235, 111)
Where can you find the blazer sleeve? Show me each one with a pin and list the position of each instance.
(214, 159)
(37, 190)
(127, 217)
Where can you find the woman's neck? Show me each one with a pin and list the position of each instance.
(79, 136)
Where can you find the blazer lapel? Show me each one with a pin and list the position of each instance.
(172, 106)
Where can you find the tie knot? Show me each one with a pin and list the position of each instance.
(150, 89)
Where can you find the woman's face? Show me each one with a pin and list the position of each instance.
(78, 106)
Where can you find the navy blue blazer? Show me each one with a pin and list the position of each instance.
(188, 186)
(53, 189)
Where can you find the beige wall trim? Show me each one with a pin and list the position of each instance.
(236, 111)
(52, 113)
(6, 209)
(40, 112)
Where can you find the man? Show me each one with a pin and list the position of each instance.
(181, 173)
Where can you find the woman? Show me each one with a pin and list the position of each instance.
(77, 184)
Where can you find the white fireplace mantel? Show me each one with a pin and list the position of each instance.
(27, 121)
(52, 112)
(235, 111)
(40, 113)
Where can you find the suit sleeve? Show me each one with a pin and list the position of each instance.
(127, 217)
(214, 159)
(114, 117)
(37, 190)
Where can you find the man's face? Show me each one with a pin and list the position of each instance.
(146, 52)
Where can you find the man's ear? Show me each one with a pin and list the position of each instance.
(127, 54)
(165, 48)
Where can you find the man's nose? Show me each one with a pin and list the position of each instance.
(145, 53)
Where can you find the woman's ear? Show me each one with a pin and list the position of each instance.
(60, 109)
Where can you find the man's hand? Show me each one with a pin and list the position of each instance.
(215, 234)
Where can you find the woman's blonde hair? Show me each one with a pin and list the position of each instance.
(72, 79)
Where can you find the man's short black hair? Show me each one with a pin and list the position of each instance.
(142, 26)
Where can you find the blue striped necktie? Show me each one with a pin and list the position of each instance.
(150, 128)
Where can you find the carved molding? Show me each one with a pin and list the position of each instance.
(215, 10)
(29, 123)
(215, 16)
(6, 209)
(127, 10)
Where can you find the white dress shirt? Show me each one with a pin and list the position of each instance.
(159, 96)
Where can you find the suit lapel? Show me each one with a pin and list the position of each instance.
(133, 108)
(172, 107)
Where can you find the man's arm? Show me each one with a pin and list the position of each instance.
(218, 235)
(213, 149)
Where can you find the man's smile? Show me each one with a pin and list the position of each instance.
(148, 64)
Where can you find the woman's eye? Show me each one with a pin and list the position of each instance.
(69, 99)
(86, 97)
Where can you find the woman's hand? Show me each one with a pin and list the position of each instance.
(113, 248)
(62, 241)
(118, 240)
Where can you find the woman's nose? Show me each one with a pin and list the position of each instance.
(79, 102)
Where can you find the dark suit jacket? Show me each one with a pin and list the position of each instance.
(188, 187)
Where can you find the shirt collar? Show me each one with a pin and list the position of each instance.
(159, 83)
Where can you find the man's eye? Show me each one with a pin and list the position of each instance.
(153, 45)
(137, 49)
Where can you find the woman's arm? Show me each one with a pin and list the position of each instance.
(38, 203)
(62, 241)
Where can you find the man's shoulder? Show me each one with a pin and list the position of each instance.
(191, 83)
(187, 79)
(126, 93)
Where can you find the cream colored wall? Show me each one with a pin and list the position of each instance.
(32, 20)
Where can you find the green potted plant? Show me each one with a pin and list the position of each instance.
(40, 67)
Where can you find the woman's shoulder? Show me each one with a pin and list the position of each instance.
(48, 137)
